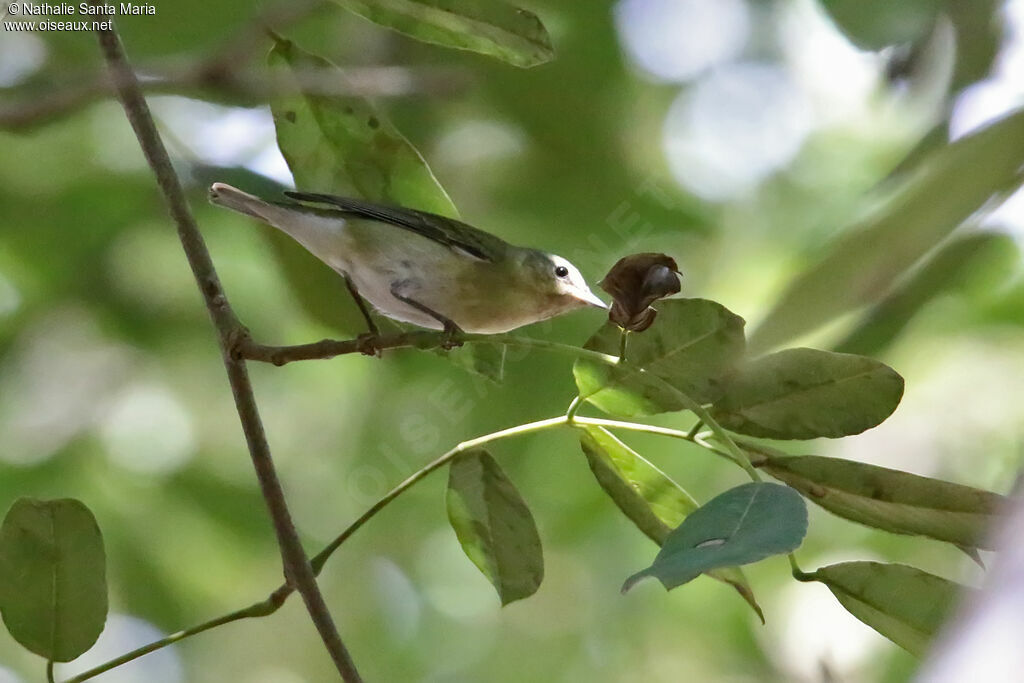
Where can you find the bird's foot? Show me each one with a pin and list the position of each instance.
(366, 343)
(448, 340)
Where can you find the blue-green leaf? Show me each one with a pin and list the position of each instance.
(648, 497)
(743, 525)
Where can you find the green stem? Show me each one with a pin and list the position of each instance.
(696, 429)
(623, 337)
(260, 609)
(799, 574)
(704, 416)
(49, 671)
(321, 557)
(574, 407)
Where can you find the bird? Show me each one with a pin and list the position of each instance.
(422, 268)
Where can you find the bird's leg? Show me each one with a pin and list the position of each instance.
(450, 328)
(367, 340)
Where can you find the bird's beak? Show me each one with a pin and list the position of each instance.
(589, 298)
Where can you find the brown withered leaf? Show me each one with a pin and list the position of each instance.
(635, 282)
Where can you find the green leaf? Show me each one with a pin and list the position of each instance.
(494, 526)
(693, 345)
(743, 525)
(863, 263)
(875, 24)
(485, 360)
(490, 27)
(904, 604)
(807, 393)
(980, 256)
(648, 497)
(895, 501)
(53, 588)
(343, 145)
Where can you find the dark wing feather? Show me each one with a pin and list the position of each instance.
(447, 231)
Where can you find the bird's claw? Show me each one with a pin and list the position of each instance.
(366, 343)
(448, 341)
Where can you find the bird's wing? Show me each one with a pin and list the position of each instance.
(447, 231)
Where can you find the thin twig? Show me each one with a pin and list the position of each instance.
(274, 601)
(330, 348)
(211, 80)
(298, 570)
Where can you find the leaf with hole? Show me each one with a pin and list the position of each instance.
(648, 497)
(693, 347)
(743, 525)
(895, 501)
(807, 393)
(494, 526)
(489, 27)
(53, 588)
(904, 604)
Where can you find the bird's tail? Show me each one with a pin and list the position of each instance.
(232, 198)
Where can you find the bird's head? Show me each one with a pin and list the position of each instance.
(560, 284)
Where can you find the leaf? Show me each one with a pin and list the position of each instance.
(648, 497)
(694, 348)
(743, 525)
(494, 526)
(985, 255)
(863, 263)
(485, 360)
(875, 24)
(904, 604)
(490, 27)
(343, 145)
(807, 393)
(895, 501)
(53, 588)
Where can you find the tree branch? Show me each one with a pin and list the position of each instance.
(298, 570)
(330, 348)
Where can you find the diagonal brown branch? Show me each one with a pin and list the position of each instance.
(298, 569)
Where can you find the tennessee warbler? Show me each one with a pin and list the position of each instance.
(422, 268)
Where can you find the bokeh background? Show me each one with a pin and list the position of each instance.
(739, 136)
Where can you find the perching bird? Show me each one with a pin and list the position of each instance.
(422, 268)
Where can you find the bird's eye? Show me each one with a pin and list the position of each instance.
(561, 271)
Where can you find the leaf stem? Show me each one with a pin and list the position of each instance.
(49, 671)
(799, 574)
(695, 429)
(704, 416)
(322, 557)
(574, 407)
(259, 609)
(623, 341)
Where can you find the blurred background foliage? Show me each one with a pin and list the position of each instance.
(742, 137)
